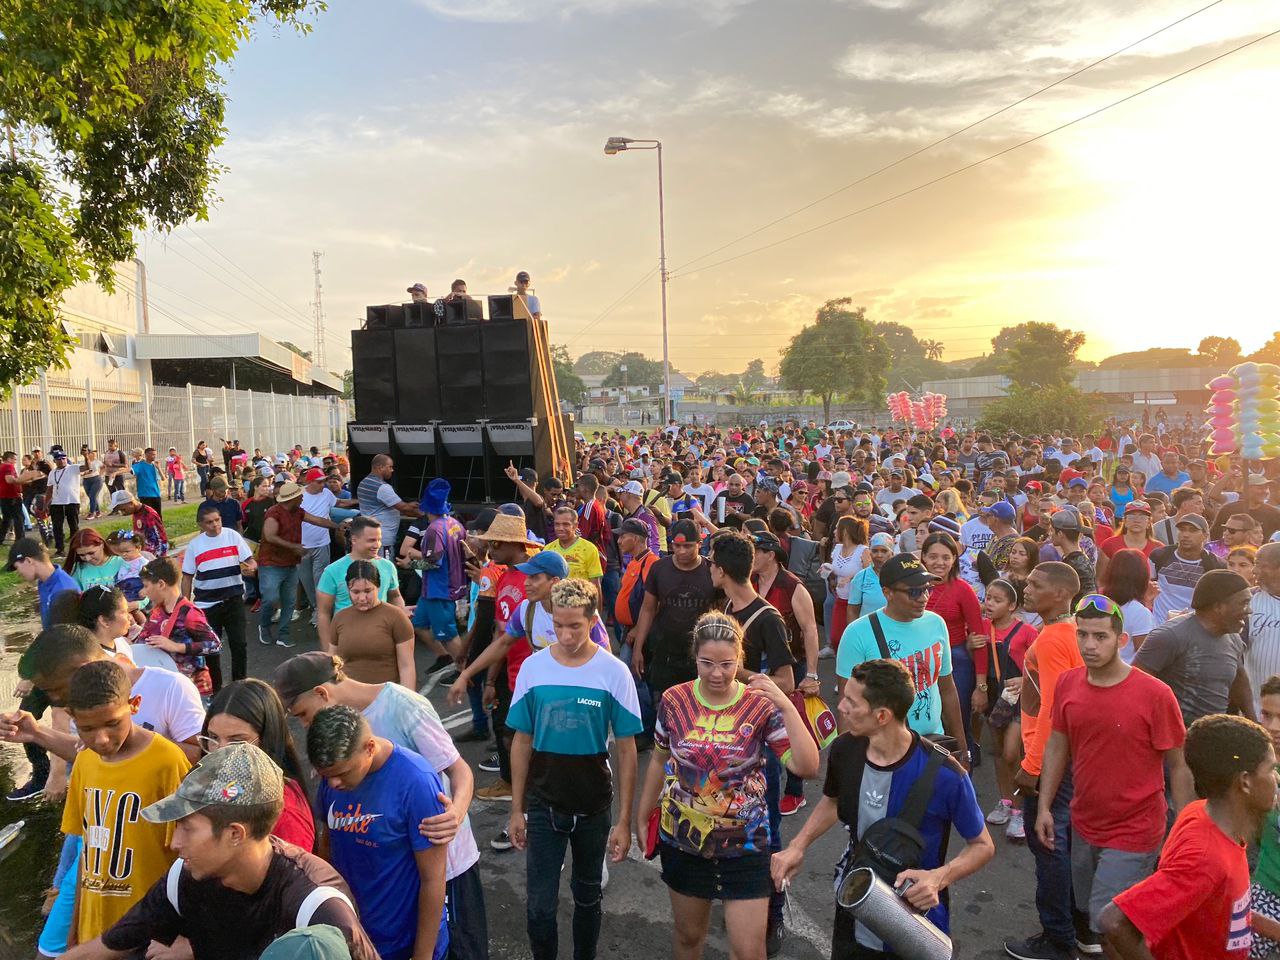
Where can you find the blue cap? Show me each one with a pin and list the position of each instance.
(548, 562)
(436, 500)
(1002, 509)
(1079, 482)
(512, 510)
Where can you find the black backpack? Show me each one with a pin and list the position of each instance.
(894, 844)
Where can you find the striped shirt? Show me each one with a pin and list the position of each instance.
(214, 565)
(1262, 654)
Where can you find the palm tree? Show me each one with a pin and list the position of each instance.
(932, 349)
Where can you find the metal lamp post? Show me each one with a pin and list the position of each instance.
(616, 145)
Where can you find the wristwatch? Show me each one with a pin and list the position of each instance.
(982, 687)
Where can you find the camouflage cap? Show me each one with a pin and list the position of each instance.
(237, 775)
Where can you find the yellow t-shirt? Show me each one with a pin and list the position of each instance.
(123, 855)
(582, 557)
(660, 507)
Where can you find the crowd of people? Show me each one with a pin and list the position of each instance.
(1098, 620)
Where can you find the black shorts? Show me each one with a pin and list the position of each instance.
(728, 878)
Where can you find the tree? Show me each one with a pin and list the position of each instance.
(1220, 352)
(597, 363)
(1028, 411)
(841, 352)
(932, 349)
(348, 385)
(305, 354)
(1151, 359)
(640, 372)
(1042, 357)
(568, 384)
(753, 377)
(1269, 352)
(126, 104)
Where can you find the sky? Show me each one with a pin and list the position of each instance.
(423, 140)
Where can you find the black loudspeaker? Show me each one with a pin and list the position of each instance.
(508, 392)
(502, 308)
(463, 311)
(388, 316)
(418, 396)
(417, 315)
(374, 375)
(461, 373)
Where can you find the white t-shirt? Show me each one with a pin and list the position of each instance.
(706, 493)
(1138, 622)
(533, 303)
(318, 505)
(886, 497)
(975, 535)
(822, 450)
(168, 704)
(64, 483)
(1066, 459)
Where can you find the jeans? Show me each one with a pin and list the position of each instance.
(966, 680)
(154, 503)
(60, 513)
(611, 586)
(309, 570)
(475, 697)
(227, 619)
(465, 913)
(179, 490)
(795, 785)
(279, 586)
(11, 516)
(203, 472)
(1053, 867)
(773, 771)
(92, 490)
(550, 832)
(35, 703)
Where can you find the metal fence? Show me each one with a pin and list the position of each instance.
(85, 411)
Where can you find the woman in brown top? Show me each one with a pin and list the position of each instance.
(374, 639)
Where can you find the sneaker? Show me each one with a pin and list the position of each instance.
(1000, 813)
(472, 736)
(498, 790)
(297, 615)
(1039, 947)
(502, 842)
(789, 804)
(773, 939)
(257, 607)
(1087, 941)
(28, 791)
(264, 637)
(1015, 830)
(826, 653)
(490, 763)
(283, 642)
(442, 663)
(604, 874)
(439, 678)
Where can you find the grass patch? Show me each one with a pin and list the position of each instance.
(179, 522)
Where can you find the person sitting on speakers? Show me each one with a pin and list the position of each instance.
(419, 293)
(457, 291)
(530, 300)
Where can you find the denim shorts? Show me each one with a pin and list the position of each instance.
(725, 878)
(440, 615)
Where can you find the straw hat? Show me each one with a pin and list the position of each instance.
(287, 492)
(506, 529)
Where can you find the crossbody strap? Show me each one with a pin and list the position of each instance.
(878, 630)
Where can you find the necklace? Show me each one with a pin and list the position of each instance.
(1049, 621)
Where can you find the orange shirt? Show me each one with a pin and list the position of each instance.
(1053, 653)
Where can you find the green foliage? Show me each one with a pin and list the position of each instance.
(596, 363)
(1151, 359)
(348, 385)
(568, 384)
(753, 377)
(1269, 352)
(1221, 352)
(1042, 356)
(127, 105)
(840, 353)
(1027, 410)
(640, 372)
(305, 354)
(910, 362)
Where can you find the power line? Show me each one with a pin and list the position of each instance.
(976, 163)
(261, 286)
(609, 309)
(949, 136)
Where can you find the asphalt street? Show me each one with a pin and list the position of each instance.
(995, 904)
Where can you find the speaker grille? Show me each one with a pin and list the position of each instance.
(374, 375)
(418, 390)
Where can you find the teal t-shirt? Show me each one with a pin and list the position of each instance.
(102, 576)
(924, 648)
(865, 592)
(334, 581)
(1267, 872)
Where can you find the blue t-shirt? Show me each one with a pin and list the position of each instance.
(1163, 483)
(148, 478)
(568, 712)
(865, 592)
(334, 581)
(60, 582)
(924, 648)
(373, 835)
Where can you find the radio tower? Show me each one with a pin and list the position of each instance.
(317, 310)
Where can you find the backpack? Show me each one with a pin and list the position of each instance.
(893, 844)
(805, 561)
(626, 608)
(306, 910)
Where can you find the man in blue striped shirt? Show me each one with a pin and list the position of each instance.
(213, 568)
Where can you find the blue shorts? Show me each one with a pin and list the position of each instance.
(57, 927)
(439, 615)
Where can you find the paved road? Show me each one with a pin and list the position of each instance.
(998, 902)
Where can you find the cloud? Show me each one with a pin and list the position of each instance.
(528, 11)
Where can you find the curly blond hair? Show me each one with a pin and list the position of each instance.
(577, 593)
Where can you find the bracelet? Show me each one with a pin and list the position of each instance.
(490, 684)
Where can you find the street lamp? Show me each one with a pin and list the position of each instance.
(612, 147)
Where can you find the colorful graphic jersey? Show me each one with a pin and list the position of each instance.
(713, 799)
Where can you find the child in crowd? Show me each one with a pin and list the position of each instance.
(122, 769)
(126, 545)
(176, 625)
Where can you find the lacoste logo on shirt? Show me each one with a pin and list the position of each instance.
(584, 702)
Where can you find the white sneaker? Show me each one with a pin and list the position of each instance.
(1000, 813)
(1015, 830)
(826, 653)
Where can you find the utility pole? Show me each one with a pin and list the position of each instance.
(317, 310)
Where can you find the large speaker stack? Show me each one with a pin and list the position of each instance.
(448, 393)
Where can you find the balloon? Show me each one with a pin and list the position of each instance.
(1224, 436)
(1221, 383)
(1222, 450)
(1246, 369)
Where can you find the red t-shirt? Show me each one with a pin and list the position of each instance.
(507, 597)
(1118, 737)
(1197, 903)
(9, 491)
(956, 603)
(296, 825)
(1112, 545)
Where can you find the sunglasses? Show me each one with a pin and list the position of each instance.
(839, 499)
(915, 593)
(1097, 601)
(1236, 529)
